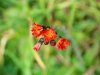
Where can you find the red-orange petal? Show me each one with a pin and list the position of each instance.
(49, 34)
(36, 30)
(62, 44)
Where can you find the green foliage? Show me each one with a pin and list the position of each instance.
(75, 20)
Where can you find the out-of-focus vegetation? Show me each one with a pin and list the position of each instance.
(76, 20)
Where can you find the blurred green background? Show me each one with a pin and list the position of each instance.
(76, 20)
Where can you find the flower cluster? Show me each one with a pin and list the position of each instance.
(49, 36)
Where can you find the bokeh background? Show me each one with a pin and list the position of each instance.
(75, 20)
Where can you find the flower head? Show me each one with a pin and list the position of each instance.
(62, 44)
(37, 46)
(49, 34)
(37, 30)
(48, 37)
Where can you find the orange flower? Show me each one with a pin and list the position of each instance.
(62, 44)
(37, 30)
(49, 34)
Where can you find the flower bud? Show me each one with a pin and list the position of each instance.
(46, 43)
(52, 43)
